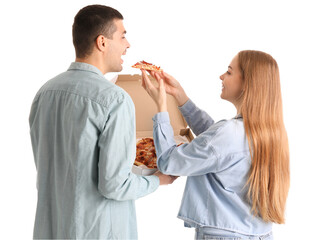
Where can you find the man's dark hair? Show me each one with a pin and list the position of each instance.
(89, 23)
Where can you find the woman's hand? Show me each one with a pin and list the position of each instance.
(158, 94)
(172, 86)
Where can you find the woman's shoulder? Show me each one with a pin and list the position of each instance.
(229, 134)
(228, 126)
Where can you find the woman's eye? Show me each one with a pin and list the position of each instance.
(228, 73)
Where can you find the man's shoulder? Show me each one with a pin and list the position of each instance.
(86, 85)
(110, 92)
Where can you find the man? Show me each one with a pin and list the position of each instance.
(83, 137)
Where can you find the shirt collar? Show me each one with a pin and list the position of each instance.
(85, 67)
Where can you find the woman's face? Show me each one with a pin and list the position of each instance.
(232, 83)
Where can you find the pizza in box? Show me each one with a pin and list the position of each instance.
(146, 153)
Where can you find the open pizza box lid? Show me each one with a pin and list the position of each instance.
(146, 109)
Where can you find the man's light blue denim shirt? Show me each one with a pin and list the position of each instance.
(84, 142)
(217, 163)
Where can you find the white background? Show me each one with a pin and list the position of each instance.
(192, 40)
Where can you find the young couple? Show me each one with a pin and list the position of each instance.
(83, 137)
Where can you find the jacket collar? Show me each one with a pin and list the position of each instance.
(238, 116)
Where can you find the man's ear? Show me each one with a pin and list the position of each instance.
(101, 43)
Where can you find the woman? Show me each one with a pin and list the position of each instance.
(238, 169)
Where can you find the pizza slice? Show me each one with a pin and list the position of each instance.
(147, 66)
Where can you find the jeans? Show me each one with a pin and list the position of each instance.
(217, 234)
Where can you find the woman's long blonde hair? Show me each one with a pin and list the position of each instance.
(269, 177)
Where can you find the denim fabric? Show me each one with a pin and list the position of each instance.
(84, 143)
(217, 163)
(216, 234)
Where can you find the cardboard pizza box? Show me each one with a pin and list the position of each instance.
(146, 109)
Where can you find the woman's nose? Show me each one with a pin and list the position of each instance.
(221, 77)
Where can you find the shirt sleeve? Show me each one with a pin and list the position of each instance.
(192, 159)
(117, 151)
(198, 120)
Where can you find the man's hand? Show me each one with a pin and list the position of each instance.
(165, 179)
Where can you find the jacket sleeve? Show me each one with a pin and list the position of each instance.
(192, 159)
(198, 120)
(117, 151)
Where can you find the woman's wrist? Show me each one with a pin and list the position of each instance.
(181, 98)
(162, 107)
